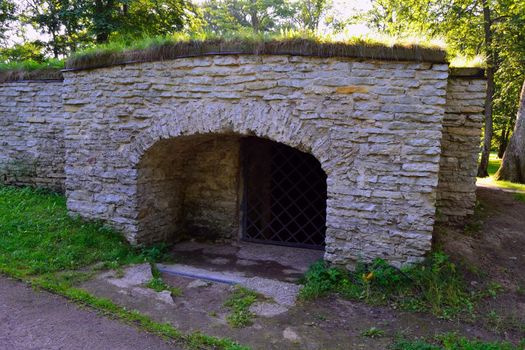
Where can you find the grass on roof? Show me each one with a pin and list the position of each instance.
(178, 45)
(30, 70)
(289, 42)
(478, 61)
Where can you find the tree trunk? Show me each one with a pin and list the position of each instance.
(102, 18)
(504, 140)
(513, 165)
(485, 152)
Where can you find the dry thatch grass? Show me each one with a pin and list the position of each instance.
(49, 69)
(23, 74)
(167, 50)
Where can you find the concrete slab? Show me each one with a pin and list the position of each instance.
(251, 259)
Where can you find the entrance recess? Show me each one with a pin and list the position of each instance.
(284, 195)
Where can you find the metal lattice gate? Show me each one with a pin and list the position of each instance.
(284, 195)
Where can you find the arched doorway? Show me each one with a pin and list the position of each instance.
(284, 199)
(230, 187)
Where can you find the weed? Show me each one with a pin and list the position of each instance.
(239, 303)
(452, 341)
(119, 272)
(434, 285)
(158, 285)
(373, 332)
(157, 252)
(403, 344)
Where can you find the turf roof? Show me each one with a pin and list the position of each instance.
(298, 47)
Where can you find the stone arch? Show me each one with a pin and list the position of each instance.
(278, 124)
(193, 186)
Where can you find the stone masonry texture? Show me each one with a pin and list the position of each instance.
(153, 148)
(32, 134)
(460, 144)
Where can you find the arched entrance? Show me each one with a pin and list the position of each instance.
(230, 187)
(284, 199)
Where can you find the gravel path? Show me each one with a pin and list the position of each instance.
(39, 320)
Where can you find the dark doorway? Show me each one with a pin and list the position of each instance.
(284, 195)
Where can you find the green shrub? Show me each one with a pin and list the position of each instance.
(434, 285)
(240, 302)
(452, 341)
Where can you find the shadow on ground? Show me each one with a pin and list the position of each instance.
(493, 253)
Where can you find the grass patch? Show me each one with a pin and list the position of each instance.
(239, 303)
(158, 284)
(38, 236)
(193, 341)
(434, 285)
(452, 341)
(31, 65)
(42, 245)
(31, 70)
(373, 332)
(288, 43)
(494, 165)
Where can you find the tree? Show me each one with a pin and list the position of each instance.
(31, 50)
(62, 20)
(493, 28)
(223, 16)
(140, 18)
(490, 70)
(513, 165)
(308, 13)
(7, 15)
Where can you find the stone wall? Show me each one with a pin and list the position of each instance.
(374, 126)
(460, 145)
(188, 188)
(153, 148)
(31, 134)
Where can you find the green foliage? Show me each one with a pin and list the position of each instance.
(494, 165)
(434, 285)
(373, 332)
(62, 20)
(40, 243)
(31, 65)
(38, 236)
(239, 303)
(452, 341)
(28, 51)
(194, 340)
(460, 23)
(158, 285)
(222, 16)
(249, 42)
(404, 344)
(7, 15)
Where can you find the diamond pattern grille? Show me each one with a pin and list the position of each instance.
(284, 197)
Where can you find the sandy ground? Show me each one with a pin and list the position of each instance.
(32, 319)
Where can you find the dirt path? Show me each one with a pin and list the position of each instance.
(492, 250)
(39, 320)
